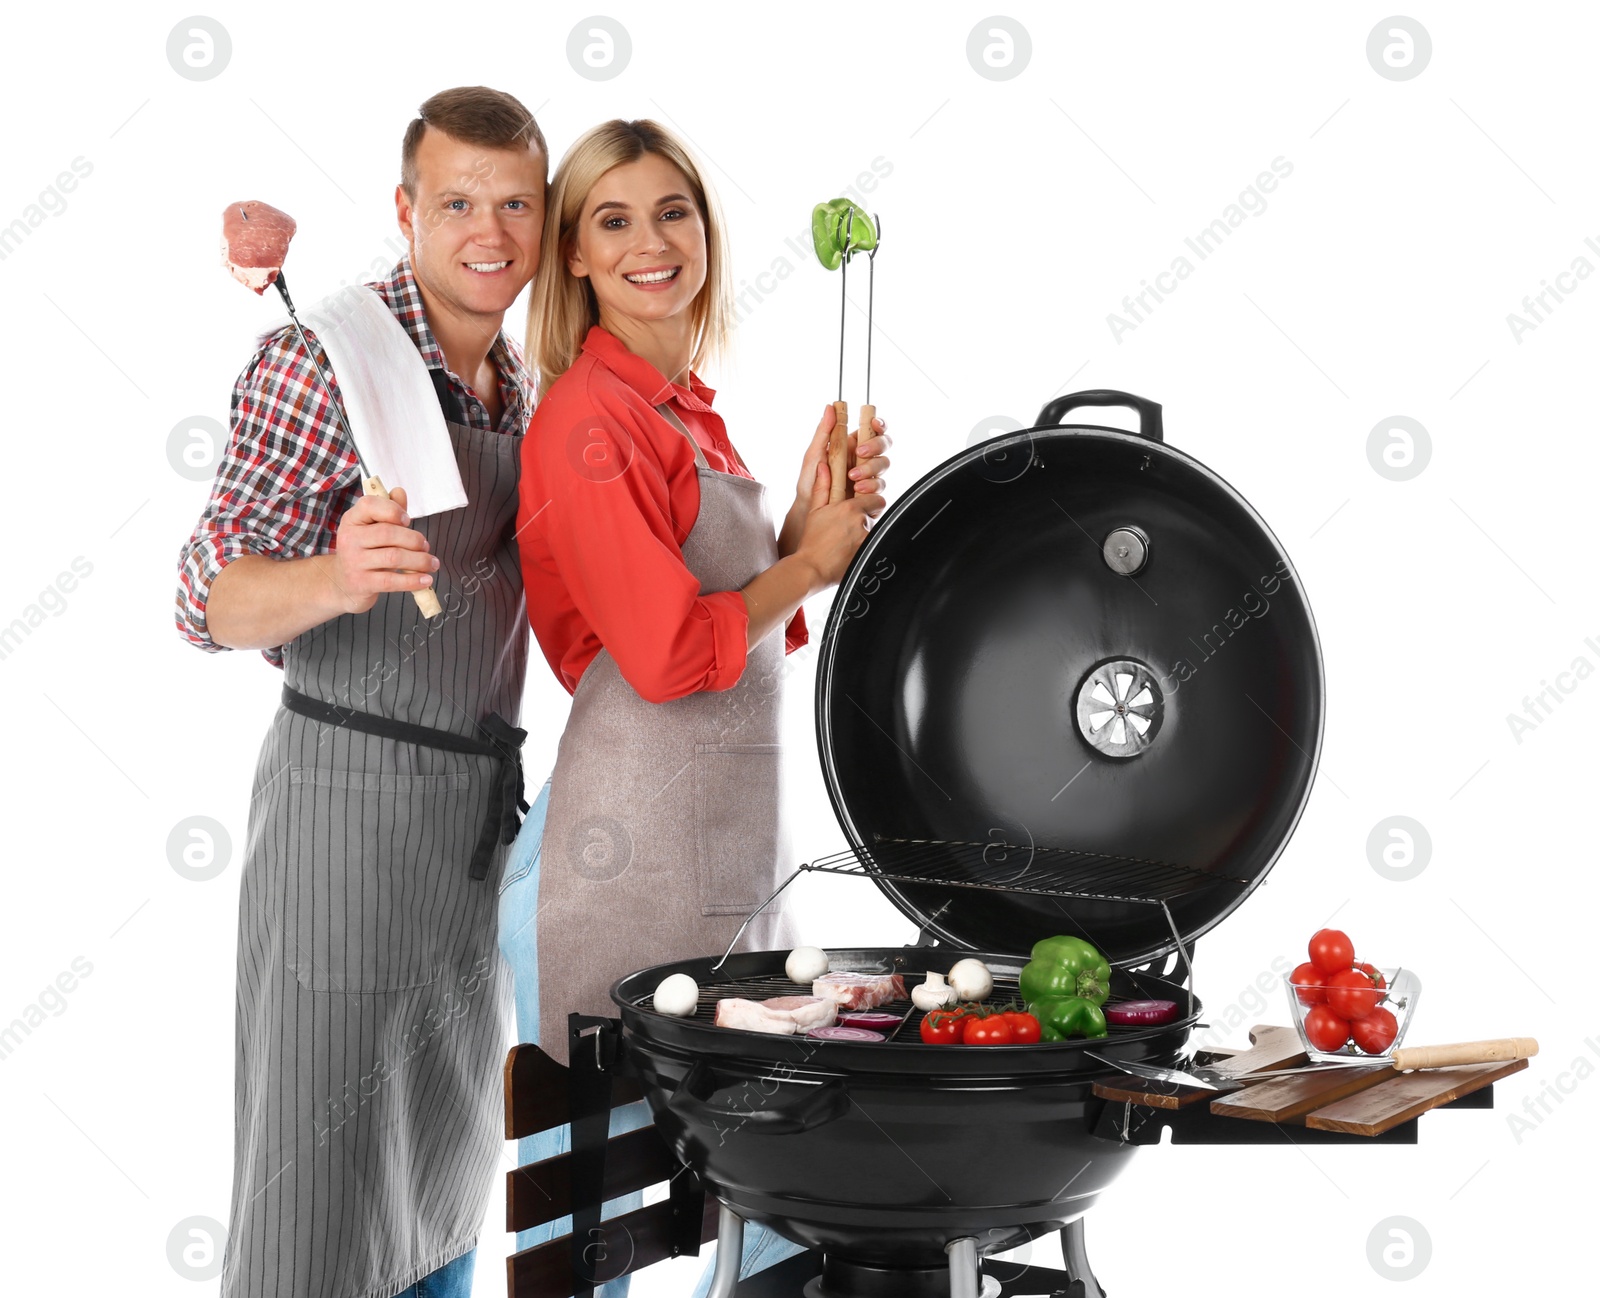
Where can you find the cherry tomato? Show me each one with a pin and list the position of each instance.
(1325, 1030)
(1372, 972)
(943, 1027)
(986, 1030)
(1376, 1033)
(1308, 984)
(1352, 994)
(1330, 951)
(1025, 1028)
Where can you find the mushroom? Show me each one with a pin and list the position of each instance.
(933, 993)
(971, 979)
(677, 995)
(806, 964)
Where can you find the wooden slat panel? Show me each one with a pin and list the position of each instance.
(1405, 1097)
(536, 1091)
(630, 1243)
(1153, 1095)
(541, 1192)
(1289, 1099)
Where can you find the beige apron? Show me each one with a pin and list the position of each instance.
(663, 831)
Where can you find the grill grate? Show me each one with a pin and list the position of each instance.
(1009, 867)
(994, 867)
(767, 986)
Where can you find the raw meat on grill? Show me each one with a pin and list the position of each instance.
(784, 1015)
(255, 240)
(860, 991)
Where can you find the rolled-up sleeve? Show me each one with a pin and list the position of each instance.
(598, 490)
(280, 487)
(796, 636)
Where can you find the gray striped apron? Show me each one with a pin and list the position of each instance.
(663, 832)
(372, 1001)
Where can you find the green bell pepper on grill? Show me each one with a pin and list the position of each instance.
(1065, 966)
(1061, 1017)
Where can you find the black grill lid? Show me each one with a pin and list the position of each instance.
(1072, 660)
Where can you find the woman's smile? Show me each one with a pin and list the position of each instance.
(653, 280)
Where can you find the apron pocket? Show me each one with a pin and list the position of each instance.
(379, 898)
(736, 791)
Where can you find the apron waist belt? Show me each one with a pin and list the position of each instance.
(504, 743)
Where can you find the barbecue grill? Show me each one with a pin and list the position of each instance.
(1070, 684)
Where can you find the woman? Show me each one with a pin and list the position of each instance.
(657, 589)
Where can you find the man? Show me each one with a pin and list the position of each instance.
(370, 999)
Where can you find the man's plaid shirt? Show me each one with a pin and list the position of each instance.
(288, 475)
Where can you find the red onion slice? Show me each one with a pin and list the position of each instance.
(874, 1019)
(1141, 1013)
(842, 1033)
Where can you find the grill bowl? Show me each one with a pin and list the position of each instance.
(883, 1152)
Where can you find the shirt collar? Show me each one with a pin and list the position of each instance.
(643, 377)
(404, 297)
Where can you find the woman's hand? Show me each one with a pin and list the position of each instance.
(818, 539)
(816, 453)
(832, 533)
(872, 462)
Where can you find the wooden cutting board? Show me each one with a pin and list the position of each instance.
(1270, 1047)
(1403, 1097)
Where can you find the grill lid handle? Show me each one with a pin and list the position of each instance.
(1149, 411)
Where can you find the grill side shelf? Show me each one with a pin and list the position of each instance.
(1341, 1106)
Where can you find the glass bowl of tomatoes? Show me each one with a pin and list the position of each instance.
(1357, 1013)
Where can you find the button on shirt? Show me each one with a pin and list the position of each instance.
(288, 475)
(610, 493)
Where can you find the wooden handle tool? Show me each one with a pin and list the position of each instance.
(427, 600)
(839, 455)
(1466, 1052)
(863, 433)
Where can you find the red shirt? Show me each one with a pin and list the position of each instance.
(609, 493)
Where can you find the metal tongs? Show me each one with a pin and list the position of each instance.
(842, 445)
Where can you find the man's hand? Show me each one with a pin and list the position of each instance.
(260, 603)
(378, 551)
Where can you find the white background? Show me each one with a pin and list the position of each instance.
(1017, 215)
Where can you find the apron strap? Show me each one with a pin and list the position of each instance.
(504, 744)
(700, 461)
(449, 403)
(671, 416)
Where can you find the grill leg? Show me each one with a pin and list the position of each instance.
(1076, 1260)
(730, 1249)
(963, 1267)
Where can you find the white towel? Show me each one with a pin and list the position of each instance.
(389, 399)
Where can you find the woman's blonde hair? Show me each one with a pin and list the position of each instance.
(562, 306)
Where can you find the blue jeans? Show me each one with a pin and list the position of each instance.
(519, 944)
(452, 1280)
